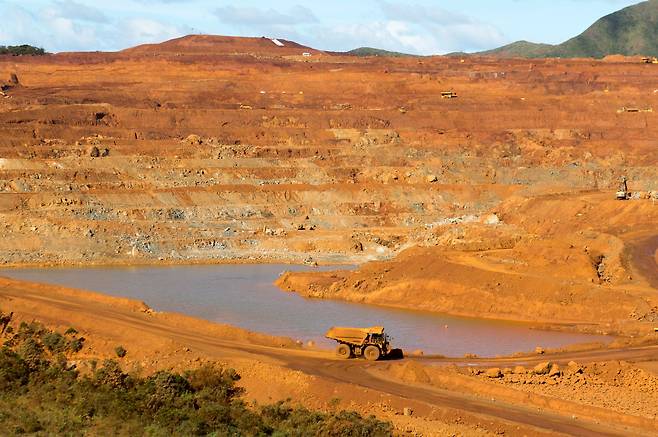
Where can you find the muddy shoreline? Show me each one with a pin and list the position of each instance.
(234, 294)
(371, 284)
(182, 262)
(41, 290)
(637, 250)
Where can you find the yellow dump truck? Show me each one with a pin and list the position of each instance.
(370, 343)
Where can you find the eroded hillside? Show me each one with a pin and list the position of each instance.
(210, 148)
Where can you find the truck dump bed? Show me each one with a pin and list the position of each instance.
(356, 336)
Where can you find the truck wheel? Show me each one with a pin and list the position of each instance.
(372, 353)
(343, 351)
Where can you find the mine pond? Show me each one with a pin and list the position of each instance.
(244, 295)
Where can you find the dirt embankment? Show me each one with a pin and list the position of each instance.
(558, 259)
(604, 391)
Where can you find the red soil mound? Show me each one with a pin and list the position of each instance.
(216, 45)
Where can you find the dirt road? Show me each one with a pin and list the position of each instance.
(96, 316)
(356, 373)
(639, 353)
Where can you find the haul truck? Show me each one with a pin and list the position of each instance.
(370, 343)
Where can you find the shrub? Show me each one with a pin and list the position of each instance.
(14, 371)
(39, 394)
(120, 351)
(110, 376)
(215, 383)
(30, 331)
(22, 50)
(31, 352)
(55, 342)
(76, 344)
(164, 388)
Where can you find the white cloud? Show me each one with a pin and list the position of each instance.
(417, 26)
(404, 37)
(19, 26)
(430, 30)
(65, 32)
(412, 28)
(251, 16)
(393, 25)
(142, 30)
(78, 11)
(417, 13)
(67, 25)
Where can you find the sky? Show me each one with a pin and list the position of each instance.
(418, 26)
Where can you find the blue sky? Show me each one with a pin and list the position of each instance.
(419, 26)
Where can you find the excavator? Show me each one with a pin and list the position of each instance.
(622, 192)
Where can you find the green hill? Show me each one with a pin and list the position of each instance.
(521, 49)
(630, 31)
(370, 51)
(22, 50)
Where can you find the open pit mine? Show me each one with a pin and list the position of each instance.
(483, 189)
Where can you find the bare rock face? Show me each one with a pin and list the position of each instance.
(13, 83)
(542, 368)
(554, 371)
(519, 370)
(574, 367)
(193, 140)
(494, 373)
(95, 152)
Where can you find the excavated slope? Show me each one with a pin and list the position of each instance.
(213, 148)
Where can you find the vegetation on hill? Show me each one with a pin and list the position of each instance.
(630, 31)
(521, 49)
(22, 50)
(370, 51)
(44, 394)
